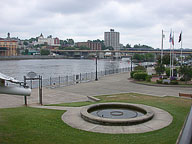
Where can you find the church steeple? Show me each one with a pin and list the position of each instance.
(8, 35)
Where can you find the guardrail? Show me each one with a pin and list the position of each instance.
(61, 81)
(185, 136)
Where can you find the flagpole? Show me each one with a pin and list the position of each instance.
(170, 59)
(170, 41)
(173, 53)
(162, 47)
(181, 49)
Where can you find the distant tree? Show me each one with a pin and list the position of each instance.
(140, 68)
(44, 52)
(138, 57)
(84, 48)
(186, 72)
(128, 46)
(149, 57)
(25, 43)
(110, 48)
(165, 59)
(70, 41)
(160, 69)
(32, 39)
(136, 46)
(26, 52)
(142, 46)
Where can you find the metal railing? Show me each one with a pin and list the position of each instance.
(61, 81)
(185, 136)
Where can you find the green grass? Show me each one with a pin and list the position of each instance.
(74, 104)
(26, 125)
(154, 83)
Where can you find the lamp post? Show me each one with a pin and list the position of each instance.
(131, 64)
(96, 79)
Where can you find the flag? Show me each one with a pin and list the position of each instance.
(180, 37)
(173, 39)
(170, 37)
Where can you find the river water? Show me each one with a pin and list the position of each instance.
(57, 67)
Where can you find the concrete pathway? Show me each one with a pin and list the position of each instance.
(73, 118)
(112, 84)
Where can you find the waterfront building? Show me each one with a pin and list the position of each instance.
(112, 39)
(90, 44)
(55, 42)
(8, 46)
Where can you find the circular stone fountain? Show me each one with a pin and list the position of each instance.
(116, 114)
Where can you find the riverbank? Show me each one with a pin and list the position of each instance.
(25, 57)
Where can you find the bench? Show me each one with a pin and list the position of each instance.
(185, 95)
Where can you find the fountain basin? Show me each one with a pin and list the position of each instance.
(116, 114)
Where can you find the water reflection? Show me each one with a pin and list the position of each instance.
(56, 67)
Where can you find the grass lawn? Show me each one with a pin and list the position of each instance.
(181, 84)
(25, 125)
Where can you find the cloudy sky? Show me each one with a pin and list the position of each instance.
(138, 21)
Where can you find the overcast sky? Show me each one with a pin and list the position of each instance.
(138, 21)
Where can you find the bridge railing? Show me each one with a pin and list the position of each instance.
(61, 81)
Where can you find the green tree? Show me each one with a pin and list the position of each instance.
(44, 52)
(138, 57)
(160, 69)
(128, 46)
(186, 72)
(84, 48)
(110, 48)
(25, 43)
(140, 68)
(150, 57)
(70, 41)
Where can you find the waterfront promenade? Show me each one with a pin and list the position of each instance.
(112, 84)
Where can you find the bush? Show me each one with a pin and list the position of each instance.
(159, 81)
(174, 82)
(166, 83)
(140, 68)
(182, 79)
(167, 71)
(135, 71)
(173, 78)
(148, 78)
(140, 75)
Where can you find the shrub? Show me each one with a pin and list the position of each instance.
(166, 83)
(140, 68)
(182, 79)
(140, 75)
(159, 81)
(135, 71)
(167, 71)
(173, 78)
(174, 82)
(148, 78)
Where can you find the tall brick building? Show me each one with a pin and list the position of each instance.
(90, 44)
(8, 46)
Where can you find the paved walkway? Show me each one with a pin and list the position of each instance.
(112, 84)
(72, 117)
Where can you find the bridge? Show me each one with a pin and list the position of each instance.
(114, 53)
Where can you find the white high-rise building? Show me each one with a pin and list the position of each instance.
(112, 39)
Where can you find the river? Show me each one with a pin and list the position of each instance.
(57, 67)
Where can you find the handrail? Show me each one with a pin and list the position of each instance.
(185, 136)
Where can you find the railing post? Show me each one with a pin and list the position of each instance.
(67, 79)
(50, 81)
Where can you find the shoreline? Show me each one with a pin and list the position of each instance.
(28, 57)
